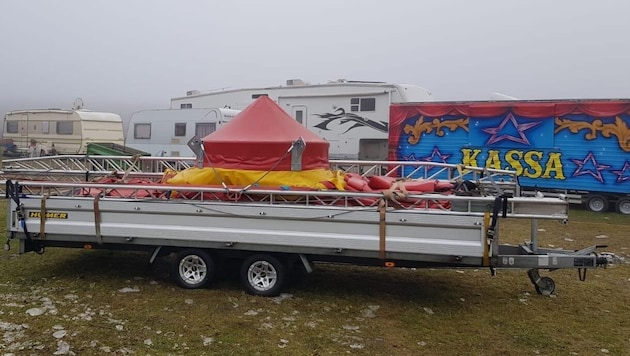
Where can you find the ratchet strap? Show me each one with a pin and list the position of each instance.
(382, 208)
(486, 247)
(97, 220)
(42, 218)
(500, 206)
(13, 191)
(395, 192)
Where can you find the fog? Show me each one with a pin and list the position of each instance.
(124, 56)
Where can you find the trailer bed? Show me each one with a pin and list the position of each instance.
(289, 227)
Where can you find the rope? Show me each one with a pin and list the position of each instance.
(269, 170)
(395, 192)
(207, 158)
(134, 159)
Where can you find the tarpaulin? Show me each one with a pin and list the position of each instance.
(312, 179)
(259, 138)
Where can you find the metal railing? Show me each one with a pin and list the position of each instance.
(434, 203)
(85, 168)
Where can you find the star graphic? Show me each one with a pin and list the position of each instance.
(621, 174)
(511, 123)
(411, 157)
(597, 173)
(436, 153)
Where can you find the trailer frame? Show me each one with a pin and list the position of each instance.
(275, 231)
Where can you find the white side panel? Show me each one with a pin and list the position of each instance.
(303, 227)
(341, 121)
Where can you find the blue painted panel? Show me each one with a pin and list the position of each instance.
(575, 151)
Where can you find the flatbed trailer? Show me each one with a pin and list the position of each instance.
(273, 232)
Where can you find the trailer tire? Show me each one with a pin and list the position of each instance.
(263, 275)
(193, 269)
(597, 203)
(623, 206)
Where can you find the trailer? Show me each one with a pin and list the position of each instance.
(166, 132)
(62, 131)
(575, 148)
(351, 115)
(274, 232)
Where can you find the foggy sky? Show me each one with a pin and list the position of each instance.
(125, 56)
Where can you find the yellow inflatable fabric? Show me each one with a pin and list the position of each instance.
(319, 179)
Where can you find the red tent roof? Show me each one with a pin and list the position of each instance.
(258, 137)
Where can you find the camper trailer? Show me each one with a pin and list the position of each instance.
(62, 131)
(166, 132)
(352, 116)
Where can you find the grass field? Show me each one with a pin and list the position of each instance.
(100, 302)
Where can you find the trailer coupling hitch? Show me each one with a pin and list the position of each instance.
(601, 261)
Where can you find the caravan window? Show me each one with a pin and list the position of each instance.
(12, 127)
(203, 129)
(142, 131)
(45, 127)
(185, 106)
(180, 129)
(363, 104)
(65, 127)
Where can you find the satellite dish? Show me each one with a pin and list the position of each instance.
(78, 104)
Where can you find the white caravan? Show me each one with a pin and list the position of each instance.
(352, 115)
(166, 132)
(62, 131)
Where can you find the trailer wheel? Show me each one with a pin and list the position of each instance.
(623, 206)
(546, 286)
(263, 275)
(193, 269)
(596, 203)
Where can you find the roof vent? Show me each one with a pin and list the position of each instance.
(192, 92)
(294, 82)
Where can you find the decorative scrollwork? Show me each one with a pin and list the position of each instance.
(436, 124)
(619, 129)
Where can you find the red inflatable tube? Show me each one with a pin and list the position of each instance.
(358, 183)
(426, 186)
(443, 186)
(381, 182)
